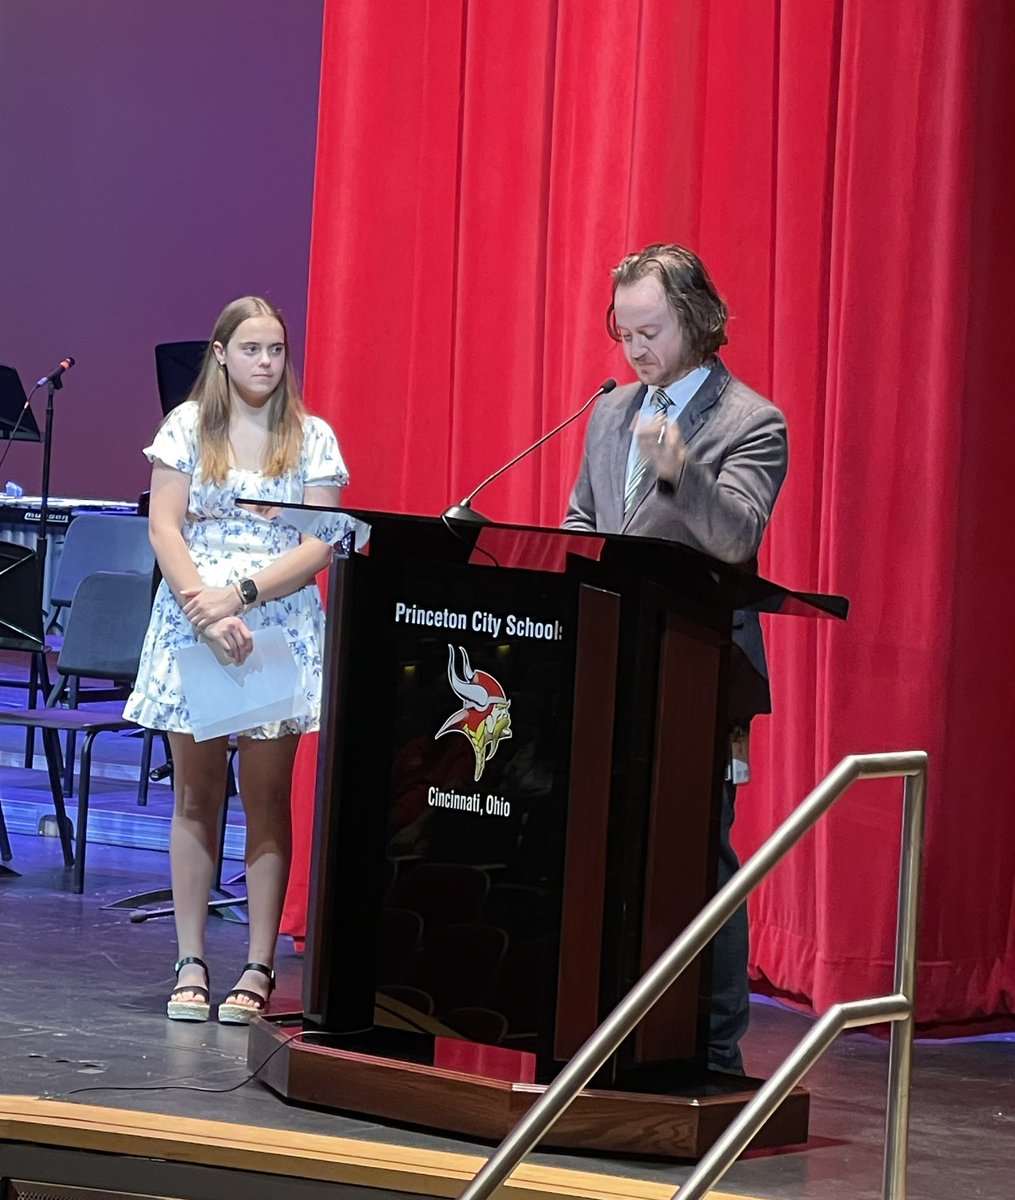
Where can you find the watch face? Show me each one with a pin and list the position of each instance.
(248, 590)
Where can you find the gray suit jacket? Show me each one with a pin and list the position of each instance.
(721, 502)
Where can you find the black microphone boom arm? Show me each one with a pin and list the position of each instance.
(464, 510)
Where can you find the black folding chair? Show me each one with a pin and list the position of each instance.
(105, 631)
(98, 542)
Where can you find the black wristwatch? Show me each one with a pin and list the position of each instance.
(248, 591)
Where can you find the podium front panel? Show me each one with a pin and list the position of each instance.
(451, 800)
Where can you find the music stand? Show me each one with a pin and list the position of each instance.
(20, 629)
(16, 418)
(20, 600)
(177, 366)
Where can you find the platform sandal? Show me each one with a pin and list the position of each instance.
(240, 1014)
(198, 1009)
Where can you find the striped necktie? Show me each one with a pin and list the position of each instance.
(660, 403)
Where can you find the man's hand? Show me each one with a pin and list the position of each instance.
(230, 639)
(661, 446)
(203, 606)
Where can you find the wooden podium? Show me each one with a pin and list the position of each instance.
(521, 758)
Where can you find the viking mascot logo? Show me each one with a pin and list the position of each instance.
(483, 718)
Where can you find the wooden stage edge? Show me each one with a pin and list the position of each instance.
(27, 1120)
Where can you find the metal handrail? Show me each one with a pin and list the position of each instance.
(897, 1008)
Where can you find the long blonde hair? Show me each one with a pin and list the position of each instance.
(211, 391)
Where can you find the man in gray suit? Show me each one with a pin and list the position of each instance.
(690, 454)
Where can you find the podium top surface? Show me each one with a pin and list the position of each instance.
(543, 548)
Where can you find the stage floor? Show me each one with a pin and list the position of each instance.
(82, 995)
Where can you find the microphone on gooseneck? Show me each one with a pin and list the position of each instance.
(464, 510)
(53, 376)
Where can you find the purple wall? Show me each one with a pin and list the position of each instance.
(156, 161)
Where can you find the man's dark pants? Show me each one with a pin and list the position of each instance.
(731, 1008)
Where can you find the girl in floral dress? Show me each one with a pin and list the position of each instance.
(227, 572)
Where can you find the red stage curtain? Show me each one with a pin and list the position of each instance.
(845, 171)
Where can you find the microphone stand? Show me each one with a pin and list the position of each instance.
(41, 554)
(42, 539)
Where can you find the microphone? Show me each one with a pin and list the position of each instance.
(465, 512)
(53, 376)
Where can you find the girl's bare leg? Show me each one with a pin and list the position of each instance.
(265, 784)
(199, 779)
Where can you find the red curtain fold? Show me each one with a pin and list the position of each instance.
(845, 171)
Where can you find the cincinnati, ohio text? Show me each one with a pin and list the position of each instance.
(511, 625)
(490, 806)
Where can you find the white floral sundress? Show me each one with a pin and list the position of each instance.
(229, 543)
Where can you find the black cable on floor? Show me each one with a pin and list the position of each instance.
(189, 1087)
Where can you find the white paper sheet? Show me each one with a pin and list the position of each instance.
(223, 698)
(331, 525)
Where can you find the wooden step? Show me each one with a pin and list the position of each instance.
(293, 1155)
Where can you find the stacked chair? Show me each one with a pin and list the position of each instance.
(116, 542)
